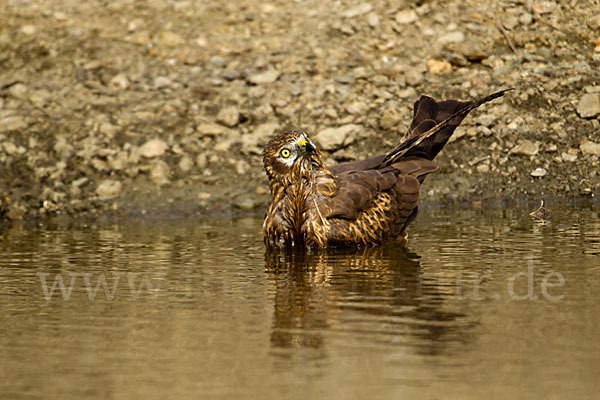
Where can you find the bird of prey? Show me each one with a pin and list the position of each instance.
(357, 203)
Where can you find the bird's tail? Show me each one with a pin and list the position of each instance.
(432, 125)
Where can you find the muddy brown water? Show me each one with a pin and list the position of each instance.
(487, 303)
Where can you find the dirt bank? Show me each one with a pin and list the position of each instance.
(135, 107)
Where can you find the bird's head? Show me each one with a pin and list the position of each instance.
(288, 153)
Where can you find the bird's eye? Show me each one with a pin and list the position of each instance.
(285, 153)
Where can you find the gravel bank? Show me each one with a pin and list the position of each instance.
(137, 107)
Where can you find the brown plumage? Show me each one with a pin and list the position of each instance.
(355, 203)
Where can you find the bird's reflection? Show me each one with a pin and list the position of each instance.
(313, 288)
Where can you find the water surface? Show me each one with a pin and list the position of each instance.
(481, 303)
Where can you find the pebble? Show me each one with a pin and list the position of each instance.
(526, 18)
(153, 148)
(19, 91)
(526, 148)
(159, 172)
(261, 134)
(438, 66)
(168, 39)
(202, 161)
(588, 147)
(406, 16)
(373, 20)
(589, 105)
(29, 29)
(358, 10)
(13, 123)
(186, 164)
(108, 129)
(544, 7)
(483, 168)
(336, 138)
(162, 82)
(229, 116)
(203, 196)
(119, 82)
(451, 37)
(247, 203)
(568, 157)
(108, 188)
(242, 167)
(390, 118)
(414, 77)
(487, 120)
(212, 130)
(261, 78)
(538, 172)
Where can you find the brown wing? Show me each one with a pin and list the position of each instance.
(432, 125)
(374, 205)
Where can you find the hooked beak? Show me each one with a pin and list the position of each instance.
(306, 146)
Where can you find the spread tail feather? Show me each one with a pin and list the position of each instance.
(433, 124)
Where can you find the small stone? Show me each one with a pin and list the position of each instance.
(526, 18)
(119, 82)
(406, 16)
(551, 148)
(438, 66)
(358, 10)
(526, 148)
(153, 148)
(19, 91)
(268, 76)
(538, 172)
(212, 130)
(16, 212)
(203, 196)
(159, 173)
(588, 147)
(186, 164)
(413, 77)
(108, 188)
(13, 123)
(202, 161)
(568, 157)
(108, 129)
(263, 132)
(594, 22)
(373, 20)
(337, 138)
(80, 182)
(483, 168)
(10, 148)
(29, 29)
(242, 167)
(246, 203)
(229, 116)
(169, 39)
(511, 22)
(589, 105)
(451, 37)
(390, 119)
(357, 107)
(544, 7)
(471, 52)
(486, 120)
(162, 82)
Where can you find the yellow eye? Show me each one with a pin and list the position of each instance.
(285, 153)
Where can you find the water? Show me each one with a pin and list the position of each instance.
(196, 309)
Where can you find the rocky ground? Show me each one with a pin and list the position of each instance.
(139, 107)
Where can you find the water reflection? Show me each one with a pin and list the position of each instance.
(380, 290)
(224, 319)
